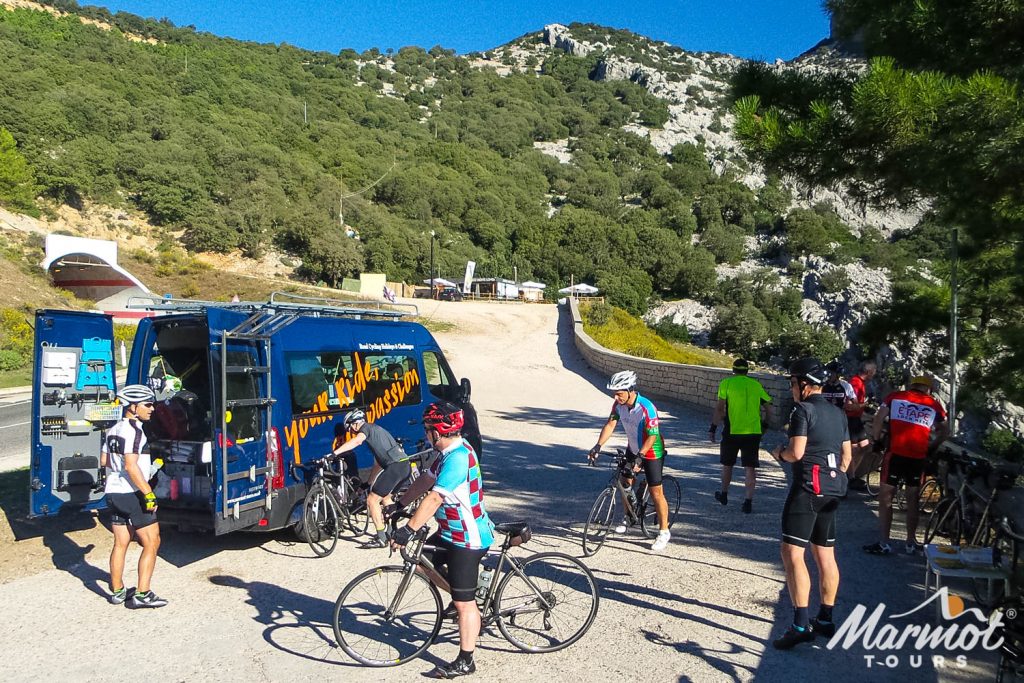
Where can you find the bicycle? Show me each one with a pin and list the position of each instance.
(638, 506)
(956, 517)
(389, 615)
(333, 494)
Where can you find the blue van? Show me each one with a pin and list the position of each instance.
(245, 391)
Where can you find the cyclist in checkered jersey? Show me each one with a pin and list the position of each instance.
(465, 532)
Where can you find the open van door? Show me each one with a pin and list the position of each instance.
(247, 455)
(73, 403)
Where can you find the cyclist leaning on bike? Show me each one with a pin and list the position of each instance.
(390, 467)
(912, 415)
(639, 420)
(465, 532)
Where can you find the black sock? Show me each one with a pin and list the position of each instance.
(800, 617)
(825, 613)
(465, 656)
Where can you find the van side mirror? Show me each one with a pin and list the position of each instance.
(466, 390)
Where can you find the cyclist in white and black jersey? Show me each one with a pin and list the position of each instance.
(127, 468)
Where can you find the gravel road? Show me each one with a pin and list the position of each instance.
(256, 607)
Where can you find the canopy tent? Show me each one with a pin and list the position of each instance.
(440, 281)
(581, 288)
(532, 285)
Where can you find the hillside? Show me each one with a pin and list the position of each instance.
(576, 152)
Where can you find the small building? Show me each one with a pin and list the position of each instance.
(495, 288)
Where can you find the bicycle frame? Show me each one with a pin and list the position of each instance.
(415, 561)
(623, 470)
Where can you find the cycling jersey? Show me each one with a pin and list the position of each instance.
(383, 446)
(640, 421)
(123, 438)
(837, 392)
(826, 429)
(912, 415)
(860, 395)
(743, 397)
(461, 518)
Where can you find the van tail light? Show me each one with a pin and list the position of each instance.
(276, 459)
(220, 440)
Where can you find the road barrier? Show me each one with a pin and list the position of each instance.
(694, 385)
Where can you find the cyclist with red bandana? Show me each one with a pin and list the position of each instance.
(456, 502)
(913, 415)
(639, 419)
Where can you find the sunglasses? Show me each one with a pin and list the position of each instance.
(148, 404)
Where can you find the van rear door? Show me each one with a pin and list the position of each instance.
(73, 403)
(244, 467)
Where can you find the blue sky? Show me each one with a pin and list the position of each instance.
(757, 29)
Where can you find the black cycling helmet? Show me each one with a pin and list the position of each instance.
(835, 367)
(809, 369)
(741, 366)
(353, 417)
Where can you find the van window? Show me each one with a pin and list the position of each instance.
(439, 379)
(325, 381)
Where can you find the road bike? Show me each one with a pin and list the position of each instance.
(635, 501)
(335, 503)
(390, 615)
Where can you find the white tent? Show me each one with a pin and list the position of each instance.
(440, 281)
(581, 288)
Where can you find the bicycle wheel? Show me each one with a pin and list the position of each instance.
(599, 522)
(649, 514)
(929, 497)
(373, 630)
(549, 606)
(320, 520)
(945, 522)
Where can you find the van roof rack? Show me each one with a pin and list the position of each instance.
(281, 303)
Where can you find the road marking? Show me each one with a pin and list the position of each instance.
(18, 424)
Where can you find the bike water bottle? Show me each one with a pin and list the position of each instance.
(484, 582)
(631, 495)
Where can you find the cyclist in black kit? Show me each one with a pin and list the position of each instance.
(819, 447)
(391, 467)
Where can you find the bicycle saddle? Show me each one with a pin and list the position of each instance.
(512, 528)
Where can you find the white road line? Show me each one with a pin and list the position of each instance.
(17, 424)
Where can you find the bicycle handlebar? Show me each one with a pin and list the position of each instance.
(1007, 528)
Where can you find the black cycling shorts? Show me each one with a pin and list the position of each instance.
(900, 471)
(129, 509)
(652, 468)
(463, 566)
(858, 433)
(390, 478)
(748, 446)
(807, 518)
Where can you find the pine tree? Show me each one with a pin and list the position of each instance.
(17, 184)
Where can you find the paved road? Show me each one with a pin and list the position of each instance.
(253, 608)
(14, 433)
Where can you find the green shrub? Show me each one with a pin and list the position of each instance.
(11, 360)
(16, 339)
(835, 280)
(1002, 443)
(666, 329)
(598, 314)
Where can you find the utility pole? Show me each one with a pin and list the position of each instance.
(431, 264)
(952, 333)
(305, 118)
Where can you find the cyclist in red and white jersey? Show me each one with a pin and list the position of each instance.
(913, 416)
(855, 419)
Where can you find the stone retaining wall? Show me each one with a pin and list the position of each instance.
(694, 385)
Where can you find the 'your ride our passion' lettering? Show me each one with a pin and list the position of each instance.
(348, 388)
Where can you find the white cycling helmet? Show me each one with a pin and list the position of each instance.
(136, 393)
(622, 381)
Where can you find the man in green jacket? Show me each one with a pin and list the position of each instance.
(742, 404)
